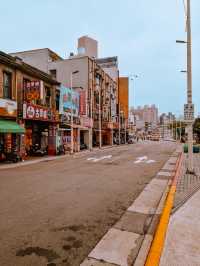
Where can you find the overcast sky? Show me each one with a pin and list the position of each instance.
(141, 33)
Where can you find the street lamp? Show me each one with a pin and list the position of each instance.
(133, 77)
(72, 130)
(189, 107)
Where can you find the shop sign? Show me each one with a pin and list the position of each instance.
(66, 119)
(115, 125)
(82, 108)
(108, 125)
(36, 112)
(8, 108)
(32, 90)
(69, 101)
(86, 122)
(188, 112)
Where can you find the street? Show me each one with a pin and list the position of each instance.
(54, 213)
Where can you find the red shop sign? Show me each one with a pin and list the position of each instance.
(36, 112)
(82, 104)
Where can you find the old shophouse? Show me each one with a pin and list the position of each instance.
(29, 105)
(98, 90)
(103, 94)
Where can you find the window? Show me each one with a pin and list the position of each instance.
(57, 99)
(53, 73)
(48, 96)
(7, 85)
(25, 81)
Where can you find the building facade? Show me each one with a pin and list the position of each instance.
(28, 97)
(98, 90)
(146, 117)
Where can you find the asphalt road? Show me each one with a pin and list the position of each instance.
(54, 213)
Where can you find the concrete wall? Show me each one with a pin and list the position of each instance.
(36, 58)
(65, 67)
(90, 46)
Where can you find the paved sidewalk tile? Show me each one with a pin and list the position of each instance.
(118, 247)
(162, 173)
(182, 246)
(168, 167)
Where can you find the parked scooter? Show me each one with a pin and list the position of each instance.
(37, 151)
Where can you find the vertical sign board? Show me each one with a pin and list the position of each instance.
(69, 100)
(82, 108)
(189, 112)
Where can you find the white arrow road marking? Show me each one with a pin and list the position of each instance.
(144, 159)
(151, 161)
(91, 159)
(94, 159)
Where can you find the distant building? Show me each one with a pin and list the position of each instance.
(124, 96)
(110, 66)
(146, 116)
(98, 89)
(39, 58)
(88, 47)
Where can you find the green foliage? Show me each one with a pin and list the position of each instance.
(196, 128)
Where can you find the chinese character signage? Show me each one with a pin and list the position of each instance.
(36, 112)
(8, 108)
(69, 100)
(189, 112)
(86, 121)
(82, 108)
(32, 90)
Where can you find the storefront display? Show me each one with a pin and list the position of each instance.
(41, 126)
(10, 133)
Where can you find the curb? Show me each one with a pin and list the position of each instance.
(137, 225)
(157, 245)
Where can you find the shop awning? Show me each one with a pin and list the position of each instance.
(7, 126)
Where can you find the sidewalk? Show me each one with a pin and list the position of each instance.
(182, 244)
(35, 160)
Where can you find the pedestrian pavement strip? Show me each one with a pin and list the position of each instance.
(187, 184)
(128, 241)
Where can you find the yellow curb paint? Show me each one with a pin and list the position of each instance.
(153, 258)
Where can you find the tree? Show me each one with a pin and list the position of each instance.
(196, 128)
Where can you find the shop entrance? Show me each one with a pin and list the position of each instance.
(84, 139)
(36, 138)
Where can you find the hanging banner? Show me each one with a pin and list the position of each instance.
(82, 108)
(32, 90)
(69, 101)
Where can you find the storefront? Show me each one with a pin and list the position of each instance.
(41, 124)
(11, 133)
(86, 125)
(107, 133)
(70, 121)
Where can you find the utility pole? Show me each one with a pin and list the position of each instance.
(189, 107)
(72, 129)
(100, 137)
(119, 125)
